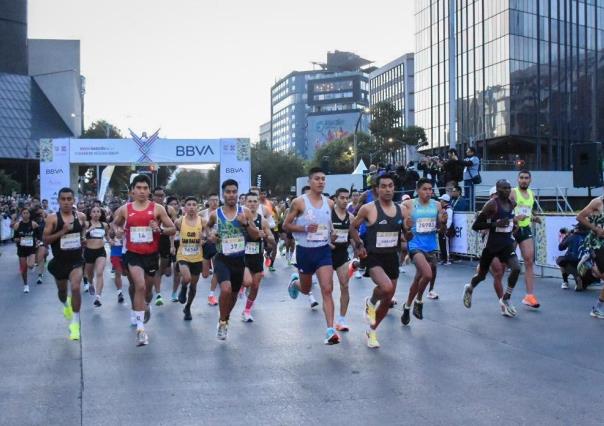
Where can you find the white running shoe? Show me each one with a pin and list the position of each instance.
(26, 288)
(432, 295)
(313, 301)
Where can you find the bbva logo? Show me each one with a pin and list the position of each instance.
(193, 150)
(233, 170)
(54, 171)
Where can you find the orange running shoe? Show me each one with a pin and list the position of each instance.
(531, 301)
(212, 301)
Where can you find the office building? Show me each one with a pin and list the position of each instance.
(264, 134)
(393, 83)
(311, 108)
(529, 78)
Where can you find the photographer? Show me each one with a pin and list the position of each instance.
(452, 169)
(471, 175)
(571, 241)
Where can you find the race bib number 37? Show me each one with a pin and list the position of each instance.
(233, 245)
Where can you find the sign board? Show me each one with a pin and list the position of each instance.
(54, 169)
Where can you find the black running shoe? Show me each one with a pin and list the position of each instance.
(418, 310)
(182, 296)
(97, 303)
(187, 312)
(120, 298)
(405, 318)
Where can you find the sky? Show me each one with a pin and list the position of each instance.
(204, 68)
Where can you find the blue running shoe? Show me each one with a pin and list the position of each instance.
(291, 288)
(332, 338)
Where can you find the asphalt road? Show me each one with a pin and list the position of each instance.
(457, 366)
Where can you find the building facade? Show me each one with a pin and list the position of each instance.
(264, 134)
(529, 77)
(394, 83)
(311, 108)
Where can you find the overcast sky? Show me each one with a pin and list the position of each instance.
(204, 68)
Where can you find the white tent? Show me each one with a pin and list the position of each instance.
(360, 168)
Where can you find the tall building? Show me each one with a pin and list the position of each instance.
(529, 77)
(311, 108)
(41, 93)
(264, 134)
(394, 83)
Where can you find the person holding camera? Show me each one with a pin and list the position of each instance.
(471, 175)
(571, 241)
(452, 169)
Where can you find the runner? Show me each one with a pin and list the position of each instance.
(269, 212)
(95, 257)
(141, 219)
(26, 238)
(209, 248)
(525, 201)
(341, 219)
(229, 263)
(190, 255)
(38, 215)
(309, 219)
(592, 217)
(384, 223)
(173, 203)
(64, 232)
(166, 247)
(116, 235)
(423, 217)
(253, 255)
(497, 216)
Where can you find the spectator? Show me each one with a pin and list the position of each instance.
(571, 242)
(444, 237)
(452, 169)
(409, 181)
(471, 175)
(458, 203)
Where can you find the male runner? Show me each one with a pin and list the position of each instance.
(166, 246)
(269, 211)
(141, 220)
(525, 201)
(209, 248)
(309, 219)
(592, 217)
(64, 232)
(38, 215)
(497, 216)
(341, 219)
(190, 254)
(423, 217)
(229, 264)
(384, 223)
(253, 254)
(173, 203)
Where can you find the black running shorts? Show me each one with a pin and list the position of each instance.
(148, 262)
(230, 269)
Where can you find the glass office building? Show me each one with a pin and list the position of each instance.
(529, 76)
(394, 83)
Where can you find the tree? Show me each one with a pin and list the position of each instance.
(194, 182)
(340, 153)
(101, 129)
(279, 170)
(385, 128)
(414, 136)
(8, 184)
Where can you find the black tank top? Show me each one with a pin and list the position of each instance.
(70, 252)
(248, 239)
(91, 235)
(26, 230)
(384, 236)
(500, 237)
(340, 226)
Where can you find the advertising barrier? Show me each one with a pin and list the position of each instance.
(54, 169)
(546, 236)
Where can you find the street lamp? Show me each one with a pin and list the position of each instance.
(365, 110)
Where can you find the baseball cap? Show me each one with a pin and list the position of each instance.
(445, 197)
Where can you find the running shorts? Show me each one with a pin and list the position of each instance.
(524, 233)
(148, 262)
(91, 255)
(60, 269)
(309, 259)
(339, 256)
(229, 269)
(194, 267)
(389, 262)
(504, 254)
(254, 262)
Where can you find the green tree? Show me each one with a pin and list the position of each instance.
(414, 136)
(384, 126)
(194, 182)
(279, 170)
(8, 184)
(340, 153)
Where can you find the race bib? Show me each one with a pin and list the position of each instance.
(505, 228)
(252, 247)
(71, 241)
(424, 225)
(191, 249)
(233, 245)
(341, 235)
(524, 210)
(141, 234)
(27, 241)
(97, 232)
(386, 239)
(321, 235)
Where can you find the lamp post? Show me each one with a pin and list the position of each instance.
(365, 110)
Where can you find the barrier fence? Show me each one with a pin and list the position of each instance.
(546, 235)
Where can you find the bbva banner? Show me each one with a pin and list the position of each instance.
(54, 169)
